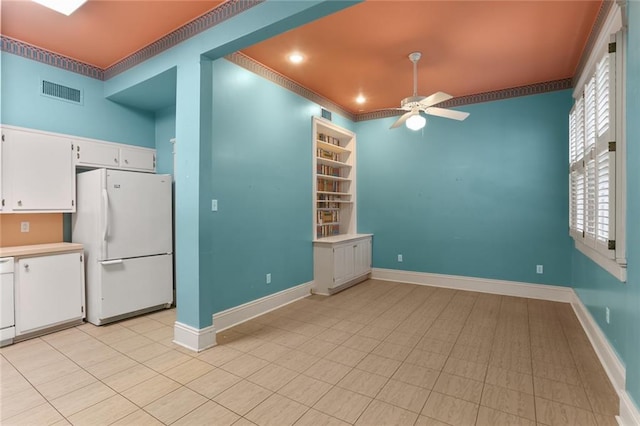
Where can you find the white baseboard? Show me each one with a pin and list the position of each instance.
(195, 339)
(608, 358)
(239, 314)
(629, 412)
(482, 285)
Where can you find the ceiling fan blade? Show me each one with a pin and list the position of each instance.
(435, 99)
(400, 121)
(447, 113)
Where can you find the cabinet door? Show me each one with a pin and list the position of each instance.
(362, 257)
(40, 172)
(2, 171)
(343, 264)
(96, 154)
(49, 291)
(138, 159)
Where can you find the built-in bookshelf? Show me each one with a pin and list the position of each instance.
(334, 185)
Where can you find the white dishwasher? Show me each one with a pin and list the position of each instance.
(7, 311)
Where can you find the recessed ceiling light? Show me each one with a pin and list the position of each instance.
(361, 99)
(66, 7)
(296, 58)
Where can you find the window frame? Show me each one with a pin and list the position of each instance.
(613, 261)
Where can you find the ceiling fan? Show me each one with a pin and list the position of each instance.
(414, 104)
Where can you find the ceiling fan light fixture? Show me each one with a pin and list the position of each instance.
(416, 122)
(66, 7)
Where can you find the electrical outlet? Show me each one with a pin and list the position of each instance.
(539, 269)
(607, 315)
(24, 226)
(399, 258)
(268, 278)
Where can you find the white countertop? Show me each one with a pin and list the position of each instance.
(341, 238)
(37, 249)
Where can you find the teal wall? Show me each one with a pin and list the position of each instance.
(165, 131)
(99, 118)
(632, 316)
(258, 166)
(486, 197)
(597, 290)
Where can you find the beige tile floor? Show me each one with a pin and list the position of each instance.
(379, 353)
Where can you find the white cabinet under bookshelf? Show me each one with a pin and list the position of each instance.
(334, 211)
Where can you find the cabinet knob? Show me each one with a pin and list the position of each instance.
(126, 161)
(19, 202)
(26, 266)
(115, 160)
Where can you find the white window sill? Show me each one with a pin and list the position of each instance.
(610, 265)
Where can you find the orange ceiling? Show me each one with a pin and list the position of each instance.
(468, 47)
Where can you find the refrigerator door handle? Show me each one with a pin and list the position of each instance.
(111, 262)
(105, 204)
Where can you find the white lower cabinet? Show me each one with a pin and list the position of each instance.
(49, 291)
(7, 316)
(340, 262)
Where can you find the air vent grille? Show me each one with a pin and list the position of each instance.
(58, 91)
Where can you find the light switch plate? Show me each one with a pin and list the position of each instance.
(214, 205)
(24, 226)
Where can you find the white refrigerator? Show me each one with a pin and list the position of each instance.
(124, 221)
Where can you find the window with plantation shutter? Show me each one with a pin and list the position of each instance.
(592, 164)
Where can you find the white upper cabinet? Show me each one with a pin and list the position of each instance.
(38, 169)
(37, 172)
(90, 154)
(138, 159)
(96, 154)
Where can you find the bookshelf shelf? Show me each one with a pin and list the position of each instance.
(332, 147)
(332, 163)
(336, 178)
(334, 193)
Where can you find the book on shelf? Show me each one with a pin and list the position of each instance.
(328, 185)
(328, 155)
(323, 169)
(328, 139)
(327, 230)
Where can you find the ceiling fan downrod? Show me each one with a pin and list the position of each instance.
(415, 57)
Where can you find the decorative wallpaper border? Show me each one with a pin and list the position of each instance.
(256, 67)
(495, 95)
(224, 11)
(29, 51)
